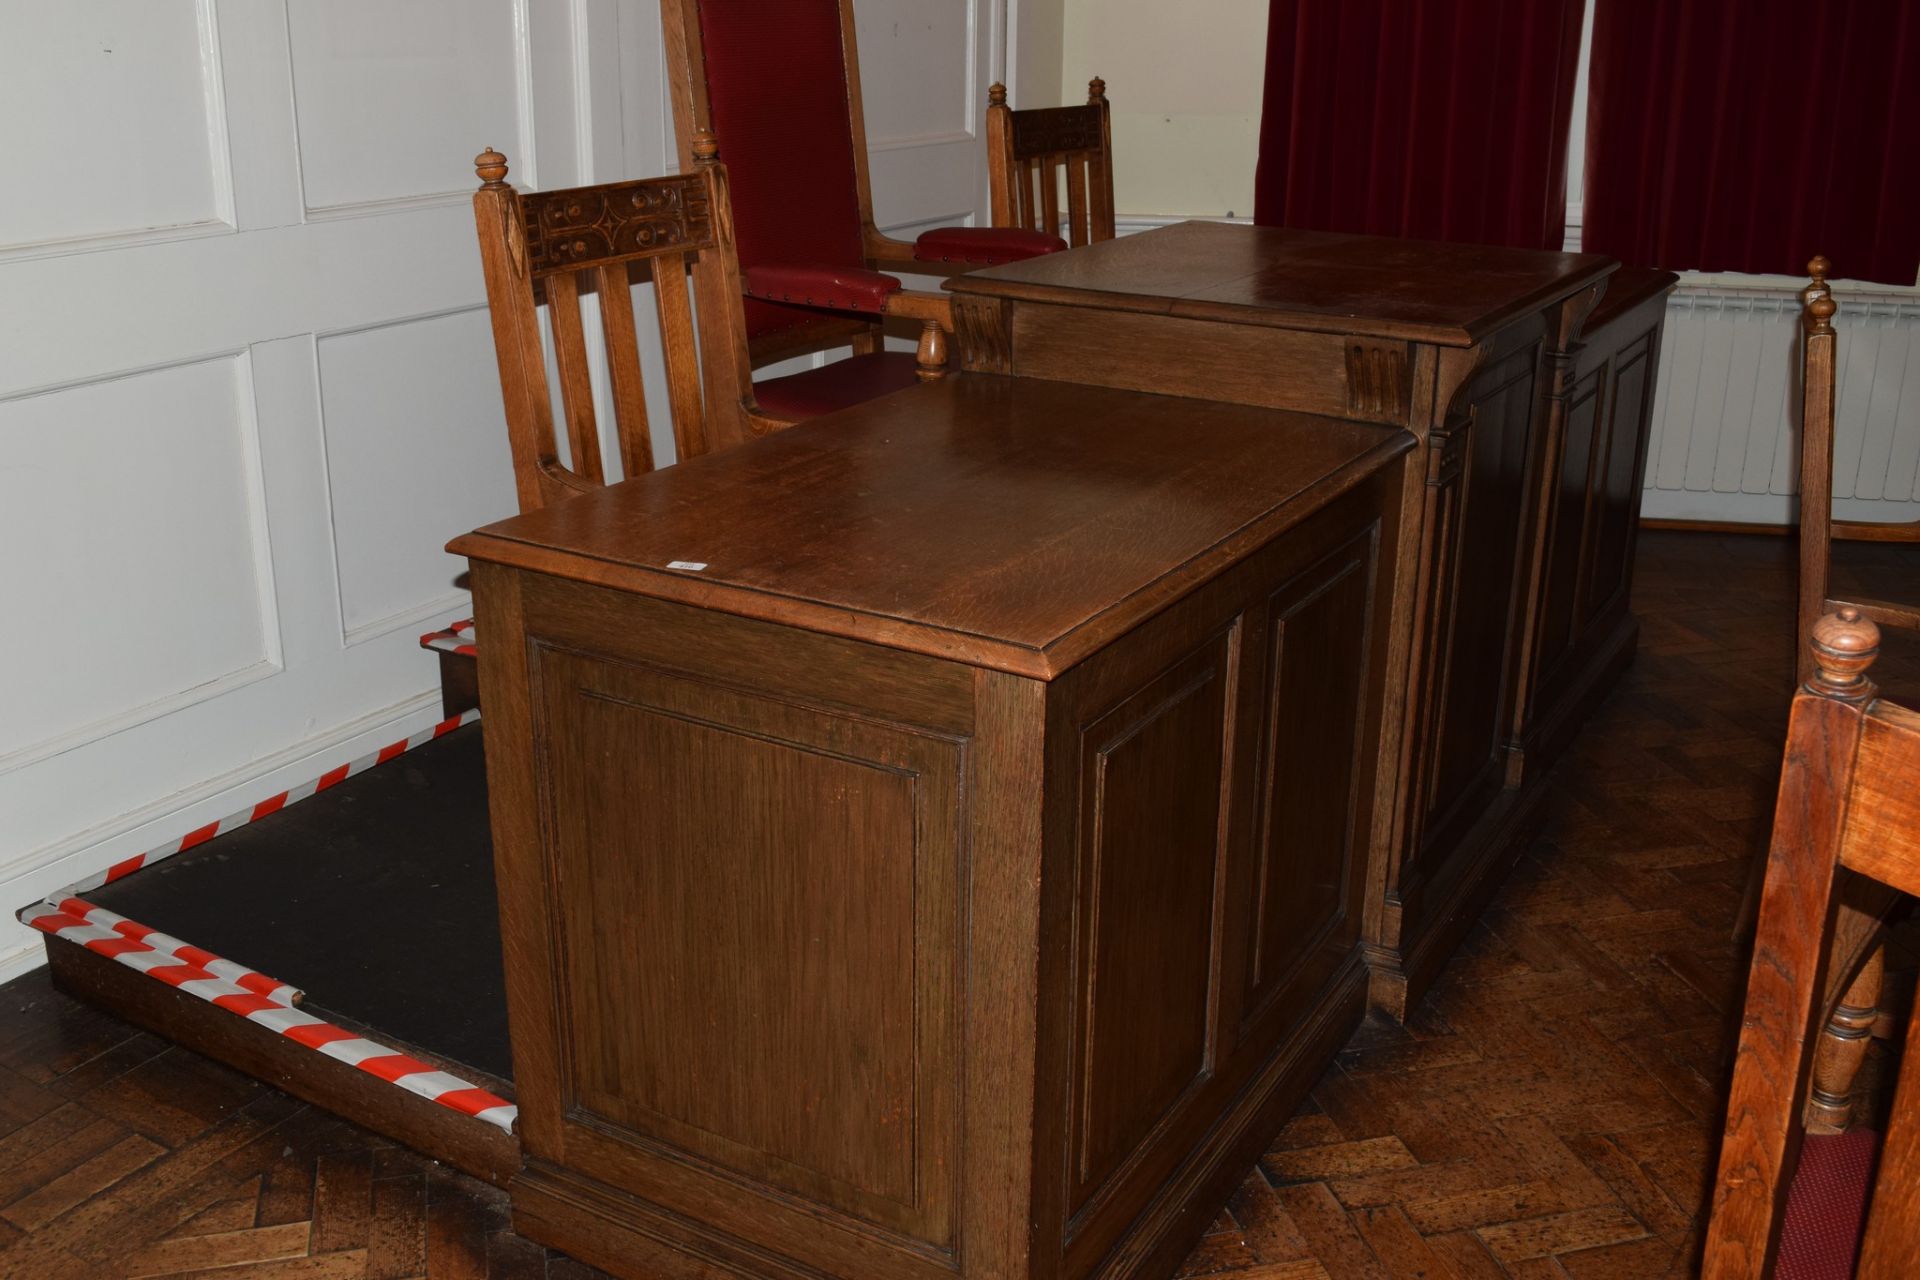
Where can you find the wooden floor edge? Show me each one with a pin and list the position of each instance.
(470, 1145)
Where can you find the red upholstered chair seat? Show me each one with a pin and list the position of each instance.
(839, 385)
(842, 288)
(1827, 1206)
(985, 246)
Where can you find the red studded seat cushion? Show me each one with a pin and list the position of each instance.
(984, 246)
(839, 385)
(1827, 1206)
(777, 83)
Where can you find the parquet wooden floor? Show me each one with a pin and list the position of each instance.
(1549, 1111)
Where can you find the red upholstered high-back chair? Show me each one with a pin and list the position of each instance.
(778, 81)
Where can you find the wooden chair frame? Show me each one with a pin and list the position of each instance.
(1027, 152)
(693, 117)
(1857, 962)
(553, 246)
(1849, 800)
(1818, 528)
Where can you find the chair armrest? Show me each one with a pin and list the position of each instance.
(835, 288)
(985, 246)
(911, 304)
(884, 248)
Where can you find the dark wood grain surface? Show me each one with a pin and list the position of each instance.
(1422, 291)
(1014, 523)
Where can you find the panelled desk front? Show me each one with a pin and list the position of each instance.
(956, 865)
(1520, 503)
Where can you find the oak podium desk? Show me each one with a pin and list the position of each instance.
(1523, 498)
(955, 866)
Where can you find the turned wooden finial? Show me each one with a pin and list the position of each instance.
(1844, 644)
(706, 147)
(1096, 91)
(996, 94)
(491, 167)
(1818, 299)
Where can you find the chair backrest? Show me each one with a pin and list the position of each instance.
(1030, 152)
(1818, 528)
(551, 247)
(1849, 798)
(781, 83)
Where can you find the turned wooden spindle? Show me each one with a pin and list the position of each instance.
(996, 95)
(1096, 92)
(1843, 1048)
(706, 148)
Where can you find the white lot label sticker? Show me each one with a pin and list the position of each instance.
(691, 566)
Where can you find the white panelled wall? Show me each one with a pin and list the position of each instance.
(247, 388)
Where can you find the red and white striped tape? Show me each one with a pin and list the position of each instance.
(236, 989)
(148, 950)
(243, 991)
(272, 804)
(457, 638)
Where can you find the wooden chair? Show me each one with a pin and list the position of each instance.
(551, 247)
(780, 84)
(1857, 964)
(1028, 152)
(1849, 799)
(1818, 528)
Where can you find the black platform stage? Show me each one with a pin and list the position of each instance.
(374, 897)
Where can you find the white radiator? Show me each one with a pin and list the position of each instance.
(1726, 418)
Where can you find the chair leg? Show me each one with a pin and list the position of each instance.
(933, 351)
(1842, 1048)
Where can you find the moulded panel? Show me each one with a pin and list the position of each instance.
(775, 886)
(136, 578)
(138, 145)
(416, 455)
(916, 69)
(1150, 834)
(394, 98)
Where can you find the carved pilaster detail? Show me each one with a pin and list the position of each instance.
(1377, 381)
(983, 328)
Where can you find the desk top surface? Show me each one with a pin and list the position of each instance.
(1010, 523)
(1417, 290)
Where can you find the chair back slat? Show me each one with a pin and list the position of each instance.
(629, 391)
(576, 378)
(1077, 211)
(548, 248)
(1049, 171)
(675, 304)
(1042, 147)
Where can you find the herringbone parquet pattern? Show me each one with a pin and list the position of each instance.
(1549, 1111)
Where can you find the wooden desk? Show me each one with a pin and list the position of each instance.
(1515, 571)
(959, 871)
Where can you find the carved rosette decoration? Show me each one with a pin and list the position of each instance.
(567, 228)
(1050, 130)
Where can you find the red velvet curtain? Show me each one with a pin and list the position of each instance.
(1436, 119)
(1749, 135)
